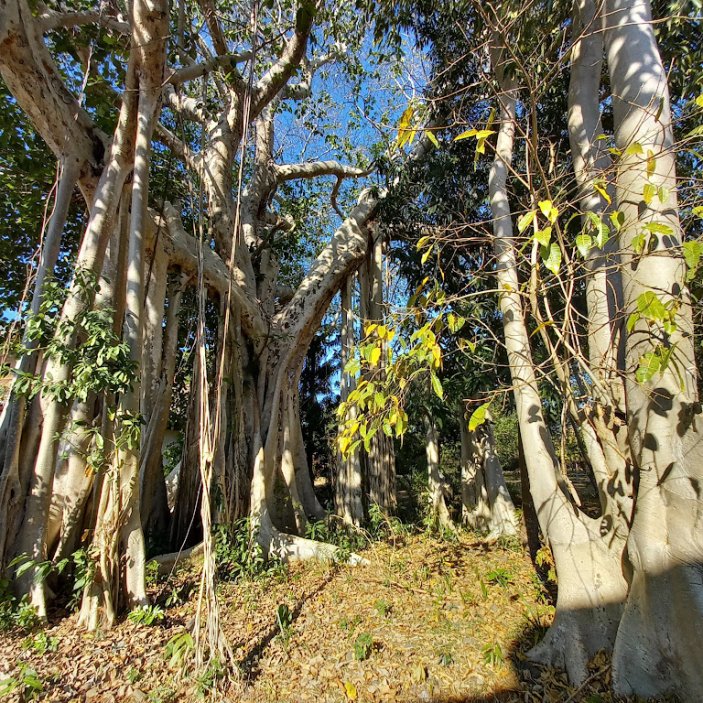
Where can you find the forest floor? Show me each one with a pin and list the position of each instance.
(424, 620)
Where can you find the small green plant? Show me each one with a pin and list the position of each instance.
(177, 596)
(151, 575)
(383, 607)
(207, 681)
(484, 588)
(492, 654)
(545, 560)
(179, 647)
(510, 543)
(348, 624)
(26, 682)
(284, 620)
(499, 576)
(162, 694)
(41, 643)
(363, 646)
(133, 675)
(445, 657)
(238, 555)
(26, 615)
(146, 615)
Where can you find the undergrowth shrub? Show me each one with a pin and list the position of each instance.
(238, 555)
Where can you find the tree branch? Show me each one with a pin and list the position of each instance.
(185, 253)
(276, 77)
(190, 108)
(315, 169)
(50, 20)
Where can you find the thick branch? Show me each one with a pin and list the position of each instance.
(277, 76)
(50, 21)
(315, 169)
(227, 61)
(185, 253)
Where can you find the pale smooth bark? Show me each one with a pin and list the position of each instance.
(439, 513)
(657, 649)
(591, 586)
(592, 163)
(380, 458)
(349, 484)
(487, 505)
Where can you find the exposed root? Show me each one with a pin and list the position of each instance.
(168, 562)
(289, 547)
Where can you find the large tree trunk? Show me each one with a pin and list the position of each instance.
(591, 586)
(657, 651)
(12, 419)
(31, 539)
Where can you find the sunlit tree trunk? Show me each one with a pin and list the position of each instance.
(657, 649)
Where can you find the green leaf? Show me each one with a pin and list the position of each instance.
(658, 228)
(478, 416)
(455, 322)
(648, 193)
(544, 236)
(548, 210)
(699, 100)
(651, 307)
(551, 257)
(617, 218)
(692, 252)
(430, 135)
(634, 148)
(650, 364)
(525, 221)
(638, 242)
(437, 386)
(584, 243)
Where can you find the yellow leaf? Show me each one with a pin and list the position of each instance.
(350, 690)
(466, 135)
(426, 255)
(375, 356)
(548, 210)
(404, 125)
(432, 137)
(599, 187)
(648, 193)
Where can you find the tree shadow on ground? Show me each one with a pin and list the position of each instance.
(537, 684)
(249, 663)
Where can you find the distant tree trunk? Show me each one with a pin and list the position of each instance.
(349, 484)
(492, 510)
(439, 513)
(380, 458)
